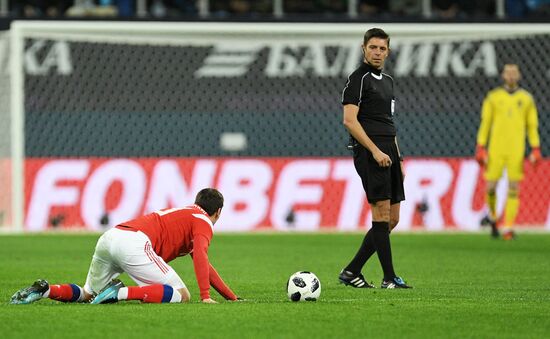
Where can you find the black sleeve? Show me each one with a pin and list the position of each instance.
(352, 92)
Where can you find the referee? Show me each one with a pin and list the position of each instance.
(369, 104)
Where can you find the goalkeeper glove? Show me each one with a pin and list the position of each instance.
(535, 157)
(481, 155)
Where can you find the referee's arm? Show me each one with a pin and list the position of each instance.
(356, 130)
(400, 158)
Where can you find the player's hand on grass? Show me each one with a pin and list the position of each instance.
(209, 301)
(481, 155)
(382, 158)
(239, 299)
(535, 157)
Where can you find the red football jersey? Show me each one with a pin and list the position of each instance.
(176, 232)
(172, 231)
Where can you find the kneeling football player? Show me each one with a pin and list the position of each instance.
(142, 248)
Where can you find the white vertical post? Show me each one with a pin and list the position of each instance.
(352, 8)
(141, 8)
(500, 9)
(278, 10)
(3, 7)
(427, 8)
(17, 126)
(204, 8)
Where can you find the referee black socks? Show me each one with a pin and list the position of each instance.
(366, 250)
(381, 237)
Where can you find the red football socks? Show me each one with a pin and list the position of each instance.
(151, 293)
(66, 292)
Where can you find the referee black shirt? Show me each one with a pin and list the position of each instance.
(372, 91)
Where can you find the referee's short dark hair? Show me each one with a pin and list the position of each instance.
(210, 200)
(376, 33)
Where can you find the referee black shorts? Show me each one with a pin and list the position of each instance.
(380, 183)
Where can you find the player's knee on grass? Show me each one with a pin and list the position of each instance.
(185, 295)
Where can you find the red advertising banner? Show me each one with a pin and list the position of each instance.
(306, 194)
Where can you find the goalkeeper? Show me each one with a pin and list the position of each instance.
(508, 114)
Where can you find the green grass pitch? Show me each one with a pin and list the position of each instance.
(465, 286)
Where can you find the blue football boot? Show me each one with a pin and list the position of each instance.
(30, 294)
(396, 282)
(109, 293)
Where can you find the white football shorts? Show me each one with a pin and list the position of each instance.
(119, 251)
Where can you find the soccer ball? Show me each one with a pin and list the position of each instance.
(302, 286)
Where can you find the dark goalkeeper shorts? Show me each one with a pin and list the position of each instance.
(380, 183)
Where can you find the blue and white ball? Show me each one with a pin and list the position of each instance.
(303, 286)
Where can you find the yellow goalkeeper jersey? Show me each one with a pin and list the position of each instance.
(505, 119)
